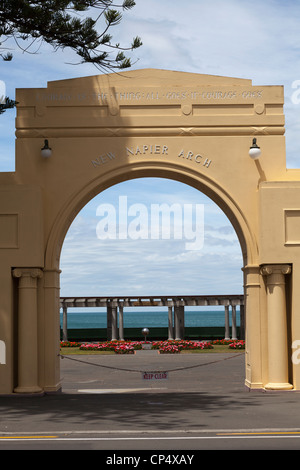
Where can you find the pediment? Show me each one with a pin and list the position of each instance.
(151, 77)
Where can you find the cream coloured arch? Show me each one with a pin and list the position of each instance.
(196, 129)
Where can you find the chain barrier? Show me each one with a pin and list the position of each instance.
(143, 371)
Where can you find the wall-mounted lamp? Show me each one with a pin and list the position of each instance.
(46, 151)
(254, 151)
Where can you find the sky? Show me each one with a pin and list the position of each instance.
(257, 40)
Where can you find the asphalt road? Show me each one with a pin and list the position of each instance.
(107, 404)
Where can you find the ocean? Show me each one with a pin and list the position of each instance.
(148, 319)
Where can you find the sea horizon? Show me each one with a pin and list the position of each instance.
(147, 319)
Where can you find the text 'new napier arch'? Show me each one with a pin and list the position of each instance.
(102, 130)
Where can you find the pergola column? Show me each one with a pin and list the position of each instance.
(179, 322)
(112, 322)
(65, 323)
(233, 319)
(121, 323)
(109, 322)
(227, 329)
(27, 330)
(277, 326)
(170, 323)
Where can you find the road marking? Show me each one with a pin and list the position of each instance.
(173, 438)
(28, 437)
(258, 433)
(116, 390)
(128, 435)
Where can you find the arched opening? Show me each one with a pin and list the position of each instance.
(149, 213)
(196, 181)
(149, 237)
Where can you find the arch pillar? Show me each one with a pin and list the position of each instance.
(50, 331)
(252, 287)
(242, 322)
(27, 329)
(277, 326)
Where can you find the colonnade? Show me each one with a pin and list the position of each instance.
(175, 326)
(233, 322)
(176, 322)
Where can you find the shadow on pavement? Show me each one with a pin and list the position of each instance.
(118, 411)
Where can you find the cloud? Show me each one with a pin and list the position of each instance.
(234, 37)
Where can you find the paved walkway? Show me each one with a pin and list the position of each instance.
(108, 394)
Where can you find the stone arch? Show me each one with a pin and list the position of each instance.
(107, 129)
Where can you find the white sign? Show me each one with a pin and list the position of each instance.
(155, 375)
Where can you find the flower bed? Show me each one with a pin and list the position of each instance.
(69, 344)
(96, 347)
(119, 347)
(174, 346)
(169, 348)
(232, 343)
(223, 342)
(164, 347)
(124, 349)
(237, 345)
(197, 345)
